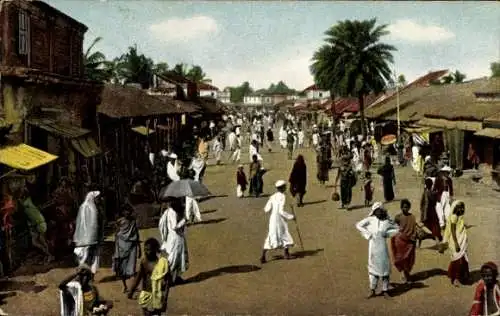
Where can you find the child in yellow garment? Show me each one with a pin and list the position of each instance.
(155, 275)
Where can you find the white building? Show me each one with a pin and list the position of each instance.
(253, 99)
(224, 96)
(314, 93)
(207, 90)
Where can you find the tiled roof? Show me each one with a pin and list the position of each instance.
(206, 86)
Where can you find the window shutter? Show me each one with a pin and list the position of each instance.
(22, 33)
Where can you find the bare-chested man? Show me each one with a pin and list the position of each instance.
(155, 276)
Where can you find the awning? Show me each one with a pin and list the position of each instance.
(86, 146)
(143, 130)
(489, 132)
(24, 157)
(446, 124)
(422, 129)
(59, 129)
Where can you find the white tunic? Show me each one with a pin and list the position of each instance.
(278, 235)
(376, 232)
(174, 243)
(253, 151)
(172, 172)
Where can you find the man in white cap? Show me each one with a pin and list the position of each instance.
(278, 236)
(376, 228)
(443, 185)
(171, 169)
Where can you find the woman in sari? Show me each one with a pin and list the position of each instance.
(428, 215)
(298, 180)
(388, 179)
(456, 237)
(256, 183)
(127, 246)
(323, 162)
(403, 244)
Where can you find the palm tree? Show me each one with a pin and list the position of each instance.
(135, 68)
(353, 61)
(197, 75)
(401, 81)
(94, 63)
(180, 69)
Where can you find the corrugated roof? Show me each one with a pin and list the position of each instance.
(120, 101)
(59, 129)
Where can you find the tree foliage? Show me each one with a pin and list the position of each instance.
(495, 69)
(238, 93)
(353, 61)
(454, 77)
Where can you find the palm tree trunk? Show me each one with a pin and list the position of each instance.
(332, 97)
(361, 101)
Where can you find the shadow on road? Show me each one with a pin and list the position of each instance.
(299, 254)
(211, 221)
(424, 275)
(203, 199)
(314, 202)
(475, 276)
(23, 286)
(35, 264)
(400, 289)
(208, 212)
(203, 276)
(356, 207)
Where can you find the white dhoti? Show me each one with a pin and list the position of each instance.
(236, 156)
(239, 191)
(192, 209)
(278, 235)
(443, 208)
(88, 255)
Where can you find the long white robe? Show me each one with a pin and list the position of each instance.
(192, 209)
(174, 243)
(232, 141)
(72, 300)
(443, 208)
(197, 165)
(278, 235)
(356, 159)
(253, 151)
(86, 236)
(282, 137)
(172, 172)
(376, 232)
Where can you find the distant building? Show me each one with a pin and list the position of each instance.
(253, 99)
(315, 93)
(224, 96)
(205, 89)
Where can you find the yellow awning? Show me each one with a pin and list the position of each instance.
(24, 157)
(143, 130)
(489, 132)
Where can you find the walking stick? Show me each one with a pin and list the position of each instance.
(297, 227)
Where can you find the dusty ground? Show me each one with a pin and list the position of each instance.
(328, 278)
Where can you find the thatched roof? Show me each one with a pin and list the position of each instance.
(120, 101)
(450, 101)
(210, 105)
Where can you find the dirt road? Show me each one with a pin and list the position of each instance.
(328, 278)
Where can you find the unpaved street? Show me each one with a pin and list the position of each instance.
(328, 278)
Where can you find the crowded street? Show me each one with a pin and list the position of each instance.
(328, 278)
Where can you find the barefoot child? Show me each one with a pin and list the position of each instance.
(368, 188)
(80, 297)
(155, 276)
(241, 182)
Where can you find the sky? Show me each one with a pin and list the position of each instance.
(263, 42)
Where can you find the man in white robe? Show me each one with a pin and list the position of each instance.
(278, 236)
(171, 169)
(236, 156)
(376, 228)
(172, 230)
(282, 137)
(87, 236)
(197, 165)
(232, 140)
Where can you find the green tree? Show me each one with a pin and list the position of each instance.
(495, 69)
(401, 80)
(95, 63)
(238, 93)
(133, 67)
(353, 61)
(180, 70)
(454, 77)
(196, 74)
(160, 68)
